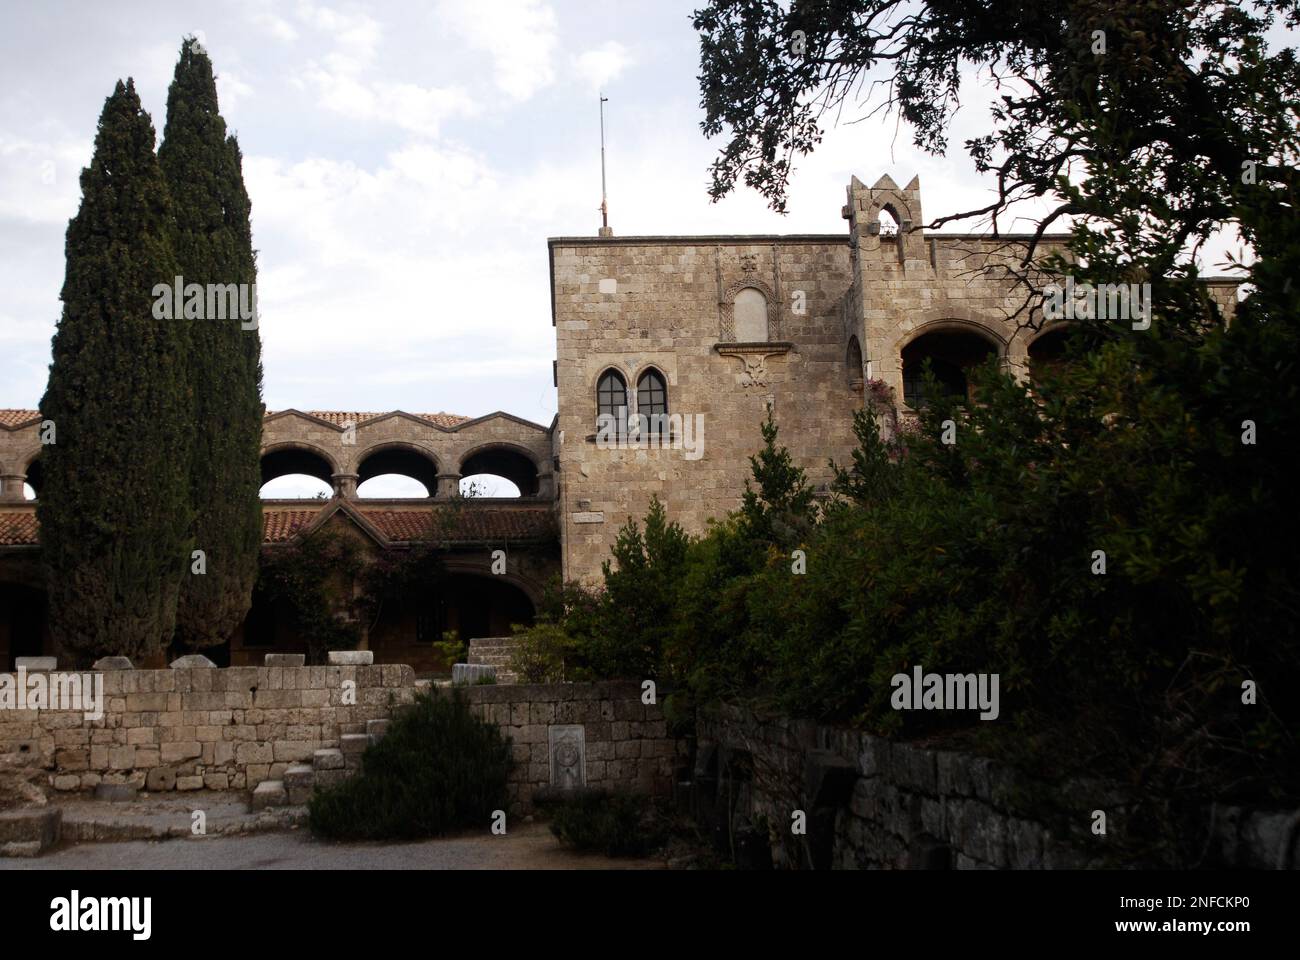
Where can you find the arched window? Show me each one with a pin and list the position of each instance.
(652, 403)
(950, 355)
(611, 400)
(750, 316)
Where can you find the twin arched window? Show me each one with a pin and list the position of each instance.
(651, 400)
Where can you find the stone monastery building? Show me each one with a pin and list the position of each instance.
(705, 333)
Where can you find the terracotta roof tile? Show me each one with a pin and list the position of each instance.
(340, 417)
(281, 525)
(470, 523)
(18, 528)
(11, 418)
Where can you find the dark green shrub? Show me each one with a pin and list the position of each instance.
(616, 824)
(438, 769)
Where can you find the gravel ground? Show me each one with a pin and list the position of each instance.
(528, 846)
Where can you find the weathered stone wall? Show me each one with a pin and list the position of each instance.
(234, 728)
(873, 803)
(664, 303)
(627, 742)
(194, 728)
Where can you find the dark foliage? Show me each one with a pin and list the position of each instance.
(438, 769)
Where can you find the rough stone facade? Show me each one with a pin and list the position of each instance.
(203, 728)
(736, 324)
(627, 744)
(873, 803)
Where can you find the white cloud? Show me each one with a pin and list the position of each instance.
(408, 106)
(599, 66)
(518, 35)
(230, 91)
(355, 35)
(273, 24)
(39, 180)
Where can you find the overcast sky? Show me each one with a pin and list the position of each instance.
(406, 162)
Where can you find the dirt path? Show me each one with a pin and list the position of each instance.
(525, 847)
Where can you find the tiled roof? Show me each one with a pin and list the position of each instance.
(11, 418)
(18, 528)
(471, 522)
(340, 417)
(467, 522)
(281, 525)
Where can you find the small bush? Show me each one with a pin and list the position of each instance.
(616, 824)
(438, 769)
(541, 653)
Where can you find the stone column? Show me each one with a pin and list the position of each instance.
(546, 486)
(345, 485)
(11, 487)
(448, 486)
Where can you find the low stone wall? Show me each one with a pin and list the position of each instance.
(869, 802)
(190, 729)
(626, 745)
(193, 728)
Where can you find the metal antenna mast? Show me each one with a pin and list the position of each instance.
(604, 206)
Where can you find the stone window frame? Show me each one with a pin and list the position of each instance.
(615, 371)
(648, 370)
(727, 333)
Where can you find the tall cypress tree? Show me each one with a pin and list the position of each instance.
(214, 245)
(114, 514)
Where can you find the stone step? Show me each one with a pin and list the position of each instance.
(299, 781)
(330, 758)
(346, 728)
(269, 793)
(329, 778)
(353, 746)
(470, 673)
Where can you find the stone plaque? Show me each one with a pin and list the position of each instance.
(568, 743)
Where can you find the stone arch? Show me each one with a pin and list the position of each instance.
(951, 348)
(281, 459)
(1045, 348)
(501, 458)
(401, 458)
(34, 473)
(958, 322)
